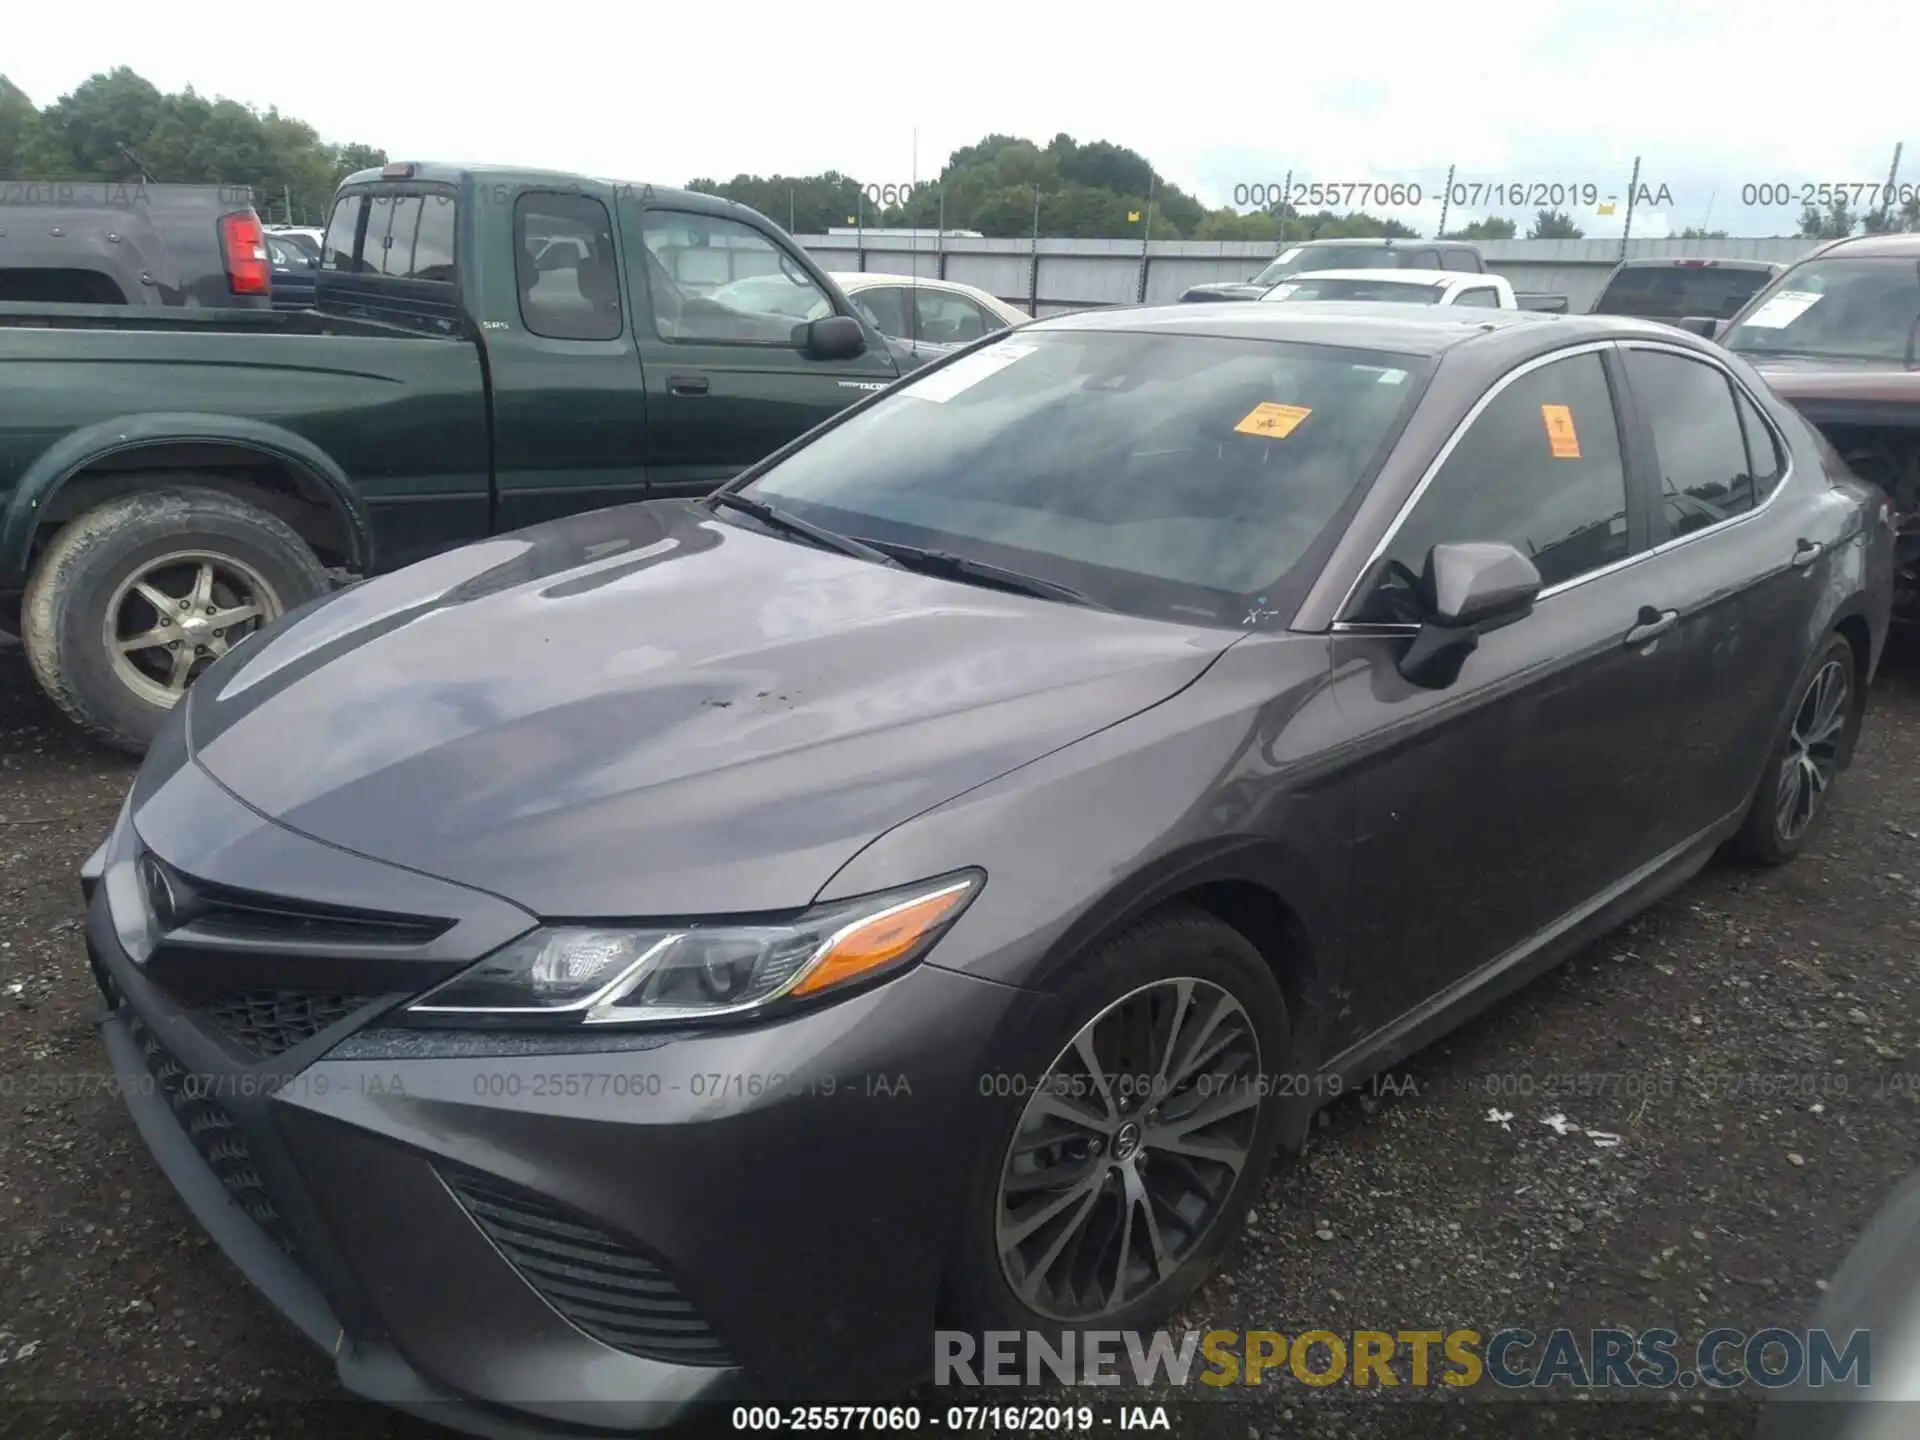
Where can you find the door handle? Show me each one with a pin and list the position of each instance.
(1806, 553)
(687, 384)
(1653, 624)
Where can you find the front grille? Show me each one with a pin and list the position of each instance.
(212, 1132)
(600, 1282)
(184, 903)
(266, 1023)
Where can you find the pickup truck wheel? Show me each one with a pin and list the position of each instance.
(134, 599)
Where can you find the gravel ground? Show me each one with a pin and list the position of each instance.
(1415, 1206)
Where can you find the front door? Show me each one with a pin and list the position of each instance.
(1489, 810)
(718, 299)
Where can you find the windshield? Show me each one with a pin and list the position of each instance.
(1399, 292)
(1328, 257)
(1171, 475)
(1673, 292)
(1837, 309)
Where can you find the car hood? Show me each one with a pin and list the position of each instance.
(650, 710)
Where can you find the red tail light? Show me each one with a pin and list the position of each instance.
(244, 244)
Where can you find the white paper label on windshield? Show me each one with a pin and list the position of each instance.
(965, 373)
(1783, 309)
(1280, 292)
(1388, 375)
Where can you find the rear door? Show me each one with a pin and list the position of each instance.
(726, 386)
(569, 408)
(1723, 569)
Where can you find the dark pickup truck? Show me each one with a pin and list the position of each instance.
(1837, 336)
(490, 348)
(1669, 288)
(1365, 254)
(93, 242)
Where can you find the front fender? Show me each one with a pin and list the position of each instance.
(75, 452)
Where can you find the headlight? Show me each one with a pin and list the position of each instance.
(625, 975)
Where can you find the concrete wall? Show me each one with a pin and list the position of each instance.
(1078, 274)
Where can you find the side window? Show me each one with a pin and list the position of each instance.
(340, 246)
(1764, 462)
(1458, 260)
(1481, 296)
(433, 242)
(886, 306)
(564, 264)
(1425, 260)
(944, 319)
(693, 264)
(1697, 437)
(1540, 469)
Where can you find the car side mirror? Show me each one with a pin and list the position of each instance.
(1464, 592)
(831, 337)
(1704, 325)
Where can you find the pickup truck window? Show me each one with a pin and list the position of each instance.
(564, 264)
(342, 241)
(1481, 295)
(400, 235)
(713, 279)
(1460, 260)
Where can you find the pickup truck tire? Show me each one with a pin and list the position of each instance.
(194, 569)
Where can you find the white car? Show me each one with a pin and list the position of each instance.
(1398, 287)
(927, 316)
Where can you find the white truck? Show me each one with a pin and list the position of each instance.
(1398, 287)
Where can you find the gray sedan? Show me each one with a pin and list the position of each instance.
(701, 943)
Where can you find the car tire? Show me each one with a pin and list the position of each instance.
(1814, 744)
(1144, 966)
(99, 571)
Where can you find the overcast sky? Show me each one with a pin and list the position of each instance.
(1715, 97)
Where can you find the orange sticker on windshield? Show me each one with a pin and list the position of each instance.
(1274, 421)
(1566, 444)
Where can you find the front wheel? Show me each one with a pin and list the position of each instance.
(1136, 1140)
(1806, 760)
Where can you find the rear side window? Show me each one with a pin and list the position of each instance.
(1764, 460)
(1459, 260)
(1697, 437)
(1478, 295)
(342, 242)
(564, 263)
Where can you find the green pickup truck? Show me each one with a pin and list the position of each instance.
(490, 348)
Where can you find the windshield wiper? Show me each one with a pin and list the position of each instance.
(778, 519)
(959, 567)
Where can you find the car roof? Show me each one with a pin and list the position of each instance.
(1426, 330)
(1697, 262)
(1392, 277)
(1895, 245)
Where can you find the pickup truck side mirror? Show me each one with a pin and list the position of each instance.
(1703, 325)
(1465, 591)
(831, 337)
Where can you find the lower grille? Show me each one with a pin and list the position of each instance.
(212, 1132)
(266, 1023)
(597, 1280)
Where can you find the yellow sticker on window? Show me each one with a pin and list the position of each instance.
(1560, 435)
(1274, 421)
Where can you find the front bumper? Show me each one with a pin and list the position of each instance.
(509, 1237)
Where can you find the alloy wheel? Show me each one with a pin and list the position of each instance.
(1813, 750)
(179, 613)
(1128, 1148)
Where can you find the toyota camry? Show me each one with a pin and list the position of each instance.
(695, 949)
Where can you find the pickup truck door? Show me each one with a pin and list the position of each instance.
(569, 409)
(715, 298)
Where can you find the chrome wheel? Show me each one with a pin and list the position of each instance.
(178, 614)
(1813, 750)
(1128, 1149)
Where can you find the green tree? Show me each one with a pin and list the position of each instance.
(1493, 227)
(1694, 232)
(1554, 225)
(1883, 219)
(1836, 222)
(28, 150)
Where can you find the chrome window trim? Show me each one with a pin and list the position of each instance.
(1540, 362)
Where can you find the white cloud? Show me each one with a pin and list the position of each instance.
(1710, 96)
